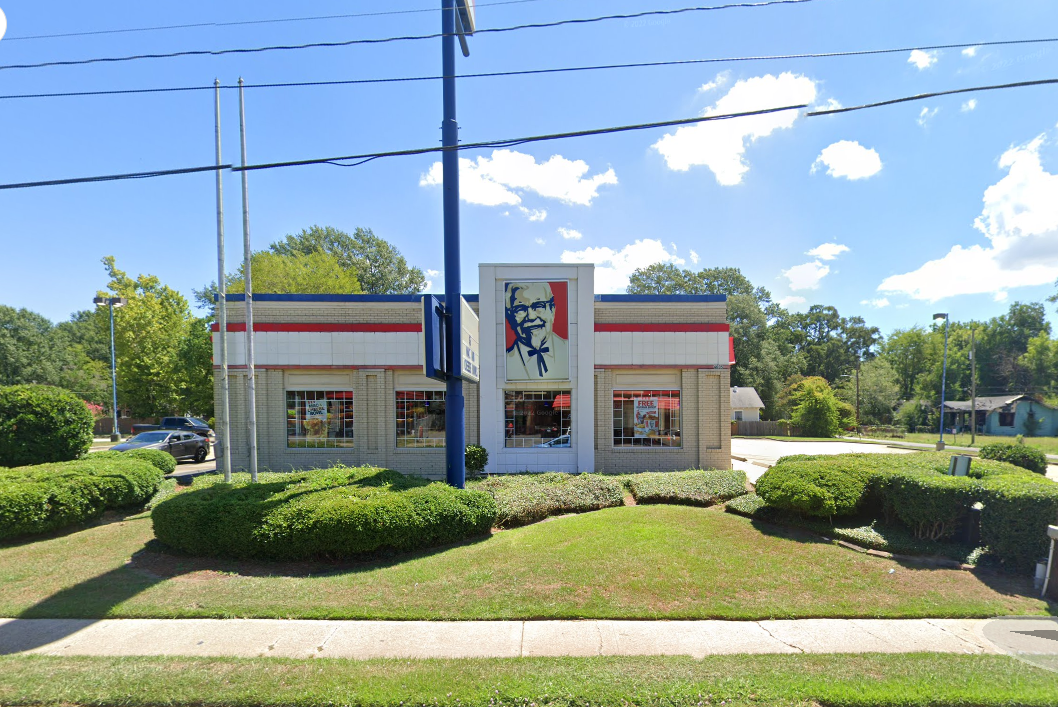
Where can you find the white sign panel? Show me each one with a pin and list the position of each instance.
(470, 345)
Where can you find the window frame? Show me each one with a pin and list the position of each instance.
(565, 422)
(348, 415)
(397, 412)
(643, 392)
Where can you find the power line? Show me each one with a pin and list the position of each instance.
(368, 157)
(532, 72)
(277, 20)
(405, 38)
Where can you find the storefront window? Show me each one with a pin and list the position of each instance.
(319, 418)
(537, 419)
(420, 418)
(646, 418)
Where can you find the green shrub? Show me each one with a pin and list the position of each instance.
(47, 497)
(816, 411)
(526, 498)
(931, 505)
(329, 513)
(748, 505)
(164, 461)
(41, 424)
(476, 458)
(1017, 510)
(821, 486)
(1019, 455)
(166, 489)
(696, 487)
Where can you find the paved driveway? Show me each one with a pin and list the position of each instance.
(761, 453)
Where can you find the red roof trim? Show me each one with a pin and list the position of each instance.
(731, 348)
(287, 327)
(662, 327)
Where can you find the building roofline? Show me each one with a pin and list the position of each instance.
(660, 298)
(366, 299)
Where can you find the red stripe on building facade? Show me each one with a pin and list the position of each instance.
(731, 348)
(662, 327)
(278, 326)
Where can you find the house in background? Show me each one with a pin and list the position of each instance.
(1008, 415)
(745, 404)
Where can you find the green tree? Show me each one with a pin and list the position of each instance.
(1040, 362)
(816, 410)
(316, 273)
(31, 351)
(907, 352)
(195, 366)
(879, 392)
(379, 267)
(830, 344)
(149, 333)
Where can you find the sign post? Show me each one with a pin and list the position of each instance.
(455, 419)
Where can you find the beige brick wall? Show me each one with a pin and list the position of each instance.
(660, 313)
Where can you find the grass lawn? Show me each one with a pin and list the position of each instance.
(627, 562)
(763, 681)
(1049, 445)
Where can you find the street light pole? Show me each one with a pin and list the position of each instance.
(111, 302)
(943, 376)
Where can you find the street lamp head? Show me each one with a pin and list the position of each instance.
(119, 301)
(941, 315)
(112, 301)
(100, 301)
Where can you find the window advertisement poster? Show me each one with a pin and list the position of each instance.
(646, 418)
(315, 419)
(537, 330)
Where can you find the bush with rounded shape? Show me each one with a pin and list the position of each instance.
(477, 458)
(526, 498)
(816, 411)
(930, 504)
(323, 514)
(46, 497)
(696, 487)
(1017, 454)
(41, 424)
(1017, 510)
(164, 461)
(819, 486)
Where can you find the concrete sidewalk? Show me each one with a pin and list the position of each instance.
(496, 639)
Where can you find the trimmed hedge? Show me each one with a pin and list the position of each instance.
(915, 490)
(47, 497)
(40, 424)
(335, 513)
(164, 461)
(1017, 454)
(696, 487)
(526, 498)
(476, 458)
(749, 505)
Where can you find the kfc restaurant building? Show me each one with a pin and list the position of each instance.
(569, 380)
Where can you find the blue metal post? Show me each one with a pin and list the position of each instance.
(115, 436)
(943, 378)
(455, 422)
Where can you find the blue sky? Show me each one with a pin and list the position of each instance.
(949, 204)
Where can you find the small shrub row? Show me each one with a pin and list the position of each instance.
(915, 490)
(526, 498)
(1021, 455)
(696, 487)
(41, 424)
(163, 461)
(47, 497)
(334, 513)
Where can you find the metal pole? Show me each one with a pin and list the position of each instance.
(455, 422)
(857, 395)
(943, 379)
(973, 391)
(222, 450)
(251, 392)
(115, 436)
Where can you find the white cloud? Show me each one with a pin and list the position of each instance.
(849, 159)
(1001, 296)
(922, 60)
(969, 105)
(970, 52)
(831, 104)
(433, 273)
(926, 114)
(877, 303)
(694, 257)
(806, 276)
(787, 302)
(533, 214)
(540, 241)
(828, 251)
(719, 81)
(721, 145)
(1020, 221)
(613, 267)
(493, 181)
(570, 234)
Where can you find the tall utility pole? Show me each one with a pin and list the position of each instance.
(857, 395)
(251, 391)
(112, 302)
(222, 449)
(455, 421)
(973, 391)
(943, 376)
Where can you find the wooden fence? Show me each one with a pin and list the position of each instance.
(760, 428)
